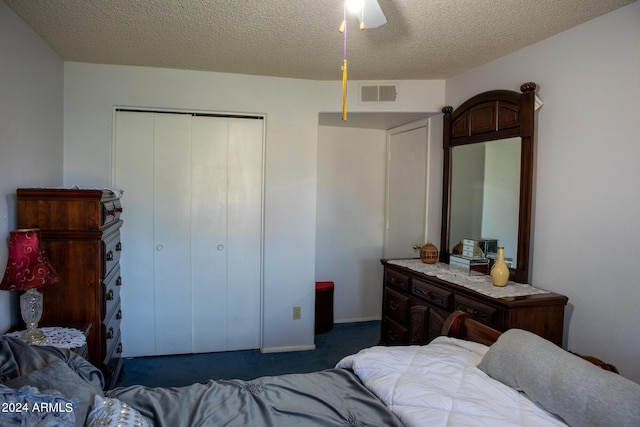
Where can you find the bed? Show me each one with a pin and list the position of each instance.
(471, 375)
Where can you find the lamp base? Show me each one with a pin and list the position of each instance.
(33, 336)
(31, 310)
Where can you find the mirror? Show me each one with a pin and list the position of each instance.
(488, 174)
(485, 193)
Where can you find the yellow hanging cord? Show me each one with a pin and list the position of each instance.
(344, 90)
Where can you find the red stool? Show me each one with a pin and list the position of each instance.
(324, 307)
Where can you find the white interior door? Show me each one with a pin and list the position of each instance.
(193, 197)
(406, 191)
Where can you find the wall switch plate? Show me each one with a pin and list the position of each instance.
(297, 313)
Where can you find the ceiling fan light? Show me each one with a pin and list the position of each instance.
(354, 6)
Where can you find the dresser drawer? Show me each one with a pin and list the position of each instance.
(478, 311)
(111, 292)
(399, 280)
(111, 331)
(112, 247)
(393, 333)
(396, 305)
(419, 324)
(434, 294)
(111, 211)
(112, 364)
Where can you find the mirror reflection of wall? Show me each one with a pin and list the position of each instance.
(485, 192)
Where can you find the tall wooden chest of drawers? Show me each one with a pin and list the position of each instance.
(80, 229)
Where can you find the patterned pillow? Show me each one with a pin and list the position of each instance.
(110, 412)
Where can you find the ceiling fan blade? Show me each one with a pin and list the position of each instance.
(373, 15)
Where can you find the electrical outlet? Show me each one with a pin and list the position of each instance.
(297, 312)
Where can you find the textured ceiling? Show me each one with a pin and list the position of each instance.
(423, 39)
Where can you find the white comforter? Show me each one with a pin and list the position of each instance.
(440, 385)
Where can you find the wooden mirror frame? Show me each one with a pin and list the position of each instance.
(489, 116)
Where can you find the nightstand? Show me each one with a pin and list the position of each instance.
(85, 328)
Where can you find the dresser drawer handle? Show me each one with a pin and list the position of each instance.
(119, 348)
(423, 292)
(119, 315)
(119, 210)
(110, 256)
(391, 335)
(110, 333)
(393, 306)
(118, 246)
(111, 212)
(110, 295)
(119, 281)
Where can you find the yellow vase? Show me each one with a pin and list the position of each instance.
(500, 271)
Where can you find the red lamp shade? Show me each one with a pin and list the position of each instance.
(28, 266)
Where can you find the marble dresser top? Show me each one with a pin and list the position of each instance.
(480, 283)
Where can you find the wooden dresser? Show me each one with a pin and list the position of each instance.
(80, 229)
(415, 306)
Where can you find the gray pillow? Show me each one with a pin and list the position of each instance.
(60, 377)
(564, 384)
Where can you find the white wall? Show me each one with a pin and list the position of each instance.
(586, 222)
(350, 219)
(423, 96)
(31, 78)
(291, 108)
(92, 91)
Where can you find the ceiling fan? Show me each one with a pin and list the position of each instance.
(368, 12)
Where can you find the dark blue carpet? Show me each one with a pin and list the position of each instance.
(179, 370)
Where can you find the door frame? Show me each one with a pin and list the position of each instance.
(256, 116)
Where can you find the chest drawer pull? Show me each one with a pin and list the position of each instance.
(119, 315)
(119, 281)
(424, 292)
(119, 247)
(110, 333)
(110, 295)
(109, 256)
(393, 306)
(119, 348)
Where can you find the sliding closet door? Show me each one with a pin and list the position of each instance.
(171, 219)
(209, 182)
(245, 220)
(198, 206)
(133, 171)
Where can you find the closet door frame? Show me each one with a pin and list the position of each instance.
(253, 116)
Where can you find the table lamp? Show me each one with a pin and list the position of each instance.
(28, 269)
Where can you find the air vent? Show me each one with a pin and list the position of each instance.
(379, 93)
